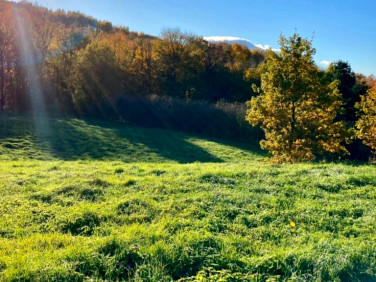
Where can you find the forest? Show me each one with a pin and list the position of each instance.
(72, 64)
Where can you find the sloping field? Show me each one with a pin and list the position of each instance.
(87, 200)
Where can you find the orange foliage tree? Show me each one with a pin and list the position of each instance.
(366, 124)
(296, 109)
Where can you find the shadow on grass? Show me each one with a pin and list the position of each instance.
(77, 139)
(74, 139)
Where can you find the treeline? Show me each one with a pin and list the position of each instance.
(81, 65)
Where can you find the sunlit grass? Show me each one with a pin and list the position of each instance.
(126, 204)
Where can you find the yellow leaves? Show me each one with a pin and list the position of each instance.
(296, 109)
(366, 124)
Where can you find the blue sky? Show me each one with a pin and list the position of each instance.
(341, 29)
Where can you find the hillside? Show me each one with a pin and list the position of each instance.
(104, 201)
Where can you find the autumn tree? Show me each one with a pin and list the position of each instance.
(366, 124)
(104, 26)
(179, 61)
(241, 67)
(142, 67)
(124, 51)
(5, 49)
(13, 94)
(295, 108)
(96, 79)
(61, 67)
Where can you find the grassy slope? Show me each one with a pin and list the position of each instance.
(104, 201)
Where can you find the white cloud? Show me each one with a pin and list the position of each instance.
(262, 46)
(325, 63)
(232, 40)
(266, 47)
(224, 38)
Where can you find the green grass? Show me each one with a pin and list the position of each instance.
(88, 200)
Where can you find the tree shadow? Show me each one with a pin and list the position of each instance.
(75, 139)
(250, 146)
(22, 136)
(88, 139)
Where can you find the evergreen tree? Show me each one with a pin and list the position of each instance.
(348, 88)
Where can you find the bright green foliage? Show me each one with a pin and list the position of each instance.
(367, 122)
(295, 108)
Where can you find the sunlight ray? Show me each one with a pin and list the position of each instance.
(30, 66)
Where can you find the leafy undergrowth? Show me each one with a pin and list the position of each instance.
(128, 205)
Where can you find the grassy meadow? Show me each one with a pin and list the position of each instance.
(87, 200)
